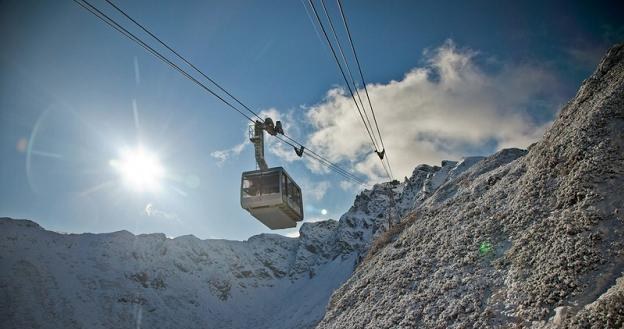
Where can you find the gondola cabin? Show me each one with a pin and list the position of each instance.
(272, 197)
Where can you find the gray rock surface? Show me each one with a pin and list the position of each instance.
(515, 237)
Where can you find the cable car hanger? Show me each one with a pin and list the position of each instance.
(270, 194)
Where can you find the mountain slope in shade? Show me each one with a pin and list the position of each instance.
(535, 241)
(119, 280)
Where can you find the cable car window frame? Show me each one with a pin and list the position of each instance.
(285, 184)
(248, 184)
(293, 194)
(270, 183)
(263, 183)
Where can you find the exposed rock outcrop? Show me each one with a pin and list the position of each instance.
(527, 241)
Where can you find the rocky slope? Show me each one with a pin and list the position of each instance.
(517, 240)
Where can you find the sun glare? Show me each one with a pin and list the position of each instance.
(139, 169)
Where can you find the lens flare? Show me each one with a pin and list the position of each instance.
(485, 248)
(140, 169)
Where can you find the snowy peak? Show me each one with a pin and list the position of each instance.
(375, 210)
(22, 223)
(426, 180)
(317, 245)
(319, 238)
(590, 119)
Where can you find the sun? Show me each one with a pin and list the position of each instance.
(140, 169)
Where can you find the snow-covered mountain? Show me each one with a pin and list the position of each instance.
(521, 239)
(121, 280)
(517, 239)
(53, 280)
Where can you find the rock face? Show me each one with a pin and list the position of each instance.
(517, 240)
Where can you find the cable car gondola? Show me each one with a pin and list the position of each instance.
(270, 194)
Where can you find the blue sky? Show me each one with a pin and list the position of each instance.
(447, 79)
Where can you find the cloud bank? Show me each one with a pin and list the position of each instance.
(441, 110)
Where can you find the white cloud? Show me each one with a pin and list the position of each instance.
(292, 234)
(444, 109)
(224, 155)
(348, 185)
(313, 190)
(152, 211)
(435, 112)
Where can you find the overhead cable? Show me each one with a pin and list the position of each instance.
(347, 68)
(112, 23)
(365, 119)
(182, 58)
(99, 14)
(331, 47)
(346, 25)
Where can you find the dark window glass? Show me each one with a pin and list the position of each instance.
(250, 187)
(270, 183)
(296, 194)
(291, 191)
(261, 184)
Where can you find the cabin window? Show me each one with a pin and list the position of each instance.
(294, 193)
(261, 184)
(249, 188)
(270, 183)
(291, 190)
(297, 195)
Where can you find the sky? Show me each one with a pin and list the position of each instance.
(447, 79)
